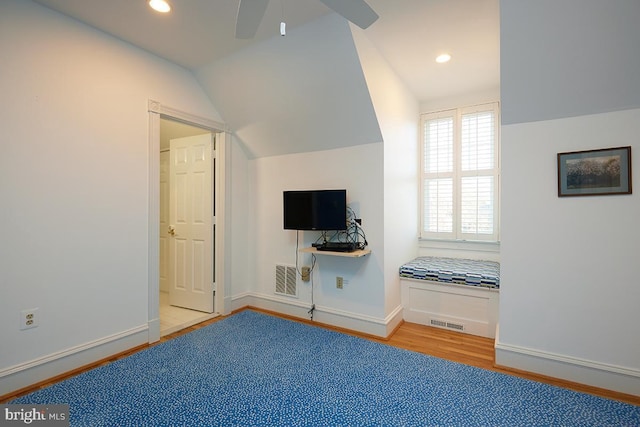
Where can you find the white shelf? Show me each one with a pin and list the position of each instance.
(355, 254)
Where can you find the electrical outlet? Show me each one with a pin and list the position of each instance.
(305, 273)
(29, 319)
(339, 282)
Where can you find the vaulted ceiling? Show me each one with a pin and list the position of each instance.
(307, 91)
(409, 33)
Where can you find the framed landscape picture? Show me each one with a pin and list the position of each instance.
(594, 172)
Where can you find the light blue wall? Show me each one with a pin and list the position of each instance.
(295, 94)
(568, 58)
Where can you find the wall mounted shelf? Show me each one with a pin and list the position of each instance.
(355, 254)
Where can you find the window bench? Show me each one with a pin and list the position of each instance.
(450, 293)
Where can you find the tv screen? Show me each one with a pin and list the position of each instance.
(315, 210)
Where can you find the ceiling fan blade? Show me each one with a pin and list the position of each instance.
(356, 11)
(250, 13)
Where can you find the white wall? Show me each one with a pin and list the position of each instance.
(74, 181)
(381, 185)
(356, 169)
(485, 96)
(398, 115)
(241, 241)
(569, 266)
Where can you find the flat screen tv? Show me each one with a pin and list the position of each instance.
(315, 210)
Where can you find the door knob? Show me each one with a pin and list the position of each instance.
(172, 230)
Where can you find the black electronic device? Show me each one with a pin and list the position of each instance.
(338, 247)
(315, 210)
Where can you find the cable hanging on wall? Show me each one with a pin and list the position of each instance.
(354, 233)
(308, 275)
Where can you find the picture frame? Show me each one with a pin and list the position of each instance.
(599, 172)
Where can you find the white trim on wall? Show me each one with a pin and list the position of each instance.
(186, 118)
(380, 327)
(489, 251)
(154, 226)
(46, 367)
(603, 375)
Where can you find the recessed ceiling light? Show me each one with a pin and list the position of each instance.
(160, 5)
(441, 59)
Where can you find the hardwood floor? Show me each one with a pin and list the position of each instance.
(454, 346)
(479, 352)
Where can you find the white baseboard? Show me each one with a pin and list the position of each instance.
(29, 373)
(154, 330)
(380, 327)
(609, 377)
(228, 306)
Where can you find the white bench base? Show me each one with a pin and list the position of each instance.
(469, 309)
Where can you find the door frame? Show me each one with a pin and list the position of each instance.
(222, 262)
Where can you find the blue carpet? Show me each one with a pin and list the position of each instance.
(253, 369)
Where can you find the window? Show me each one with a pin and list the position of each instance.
(460, 174)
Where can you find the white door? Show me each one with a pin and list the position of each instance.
(164, 221)
(191, 223)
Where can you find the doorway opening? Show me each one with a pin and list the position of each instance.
(184, 303)
(165, 124)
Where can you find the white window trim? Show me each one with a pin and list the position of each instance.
(457, 237)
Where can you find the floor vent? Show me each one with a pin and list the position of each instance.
(286, 280)
(445, 324)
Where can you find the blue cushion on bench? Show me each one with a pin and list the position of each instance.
(453, 270)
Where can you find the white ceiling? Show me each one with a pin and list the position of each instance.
(409, 34)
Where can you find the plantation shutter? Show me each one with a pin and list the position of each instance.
(477, 181)
(460, 174)
(438, 175)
